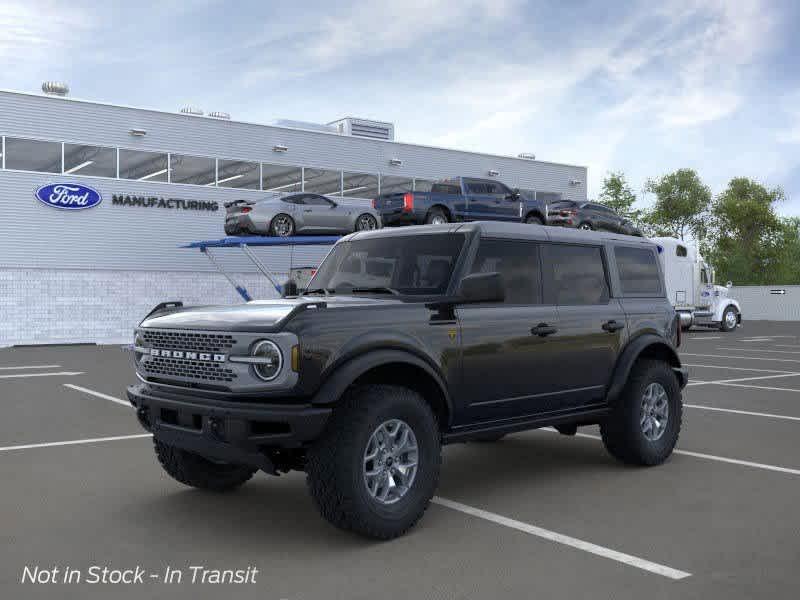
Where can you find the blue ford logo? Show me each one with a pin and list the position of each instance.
(68, 196)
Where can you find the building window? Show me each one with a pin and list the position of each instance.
(90, 160)
(280, 178)
(238, 174)
(323, 181)
(144, 166)
(396, 185)
(423, 185)
(360, 185)
(33, 155)
(195, 170)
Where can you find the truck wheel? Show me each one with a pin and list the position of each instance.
(436, 216)
(375, 468)
(534, 220)
(730, 319)
(645, 421)
(281, 226)
(195, 471)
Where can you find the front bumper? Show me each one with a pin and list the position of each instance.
(235, 432)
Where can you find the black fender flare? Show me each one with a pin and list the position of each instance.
(629, 355)
(346, 373)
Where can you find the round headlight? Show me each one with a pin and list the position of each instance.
(271, 360)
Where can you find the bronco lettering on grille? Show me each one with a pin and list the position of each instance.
(189, 355)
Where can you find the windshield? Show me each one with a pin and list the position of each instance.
(407, 264)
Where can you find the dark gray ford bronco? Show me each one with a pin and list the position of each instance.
(408, 339)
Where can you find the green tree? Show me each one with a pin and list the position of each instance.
(749, 243)
(618, 195)
(681, 205)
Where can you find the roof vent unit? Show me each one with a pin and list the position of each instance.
(192, 110)
(216, 114)
(303, 125)
(55, 88)
(375, 130)
(527, 155)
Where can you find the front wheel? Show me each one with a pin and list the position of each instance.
(645, 421)
(586, 226)
(534, 220)
(375, 468)
(366, 222)
(730, 319)
(436, 216)
(195, 471)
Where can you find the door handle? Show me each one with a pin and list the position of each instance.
(308, 210)
(543, 329)
(612, 326)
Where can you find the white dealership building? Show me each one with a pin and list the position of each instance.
(89, 275)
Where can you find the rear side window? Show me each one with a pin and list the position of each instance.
(578, 274)
(518, 263)
(638, 271)
(446, 188)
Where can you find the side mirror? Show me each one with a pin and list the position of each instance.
(514, 195)
(729, 285)
(289, 289)
(481, 287)
(333, 204)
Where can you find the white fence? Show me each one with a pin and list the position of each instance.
(768, 302)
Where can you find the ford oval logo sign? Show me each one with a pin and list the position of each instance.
(68, 196)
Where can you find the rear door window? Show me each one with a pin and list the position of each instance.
(638, 271)
(518, 263)
(577, 275)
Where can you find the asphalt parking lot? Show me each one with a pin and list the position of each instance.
(535, 515)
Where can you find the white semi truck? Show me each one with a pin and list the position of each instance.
(691, 288)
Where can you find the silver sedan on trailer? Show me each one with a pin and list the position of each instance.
(283, 215)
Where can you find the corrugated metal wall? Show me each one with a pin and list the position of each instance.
(768, 303)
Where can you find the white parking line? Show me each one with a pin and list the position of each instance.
(98, 394)
(75, 442)
(721, 381)
(61, 373)
(30, 367)
(760, 387)
(791, 360)
(760, 350)
(786, 345)
(743, 412)
(722, 459)
(701, 337)
(736, 368)
(552, 536)
(756, 340)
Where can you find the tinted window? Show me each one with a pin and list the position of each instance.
(680, 251)
(238, 174)
(316, 201)
(196, 170)
(638, 271)
(578, 273)
(33, 155)
(518, 263)
(561, 204)
(410, 264)
(476, 188)
(446, 188)
(90, 160)
(144, 166)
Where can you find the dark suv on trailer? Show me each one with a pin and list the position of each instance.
(589, 216)
(408, 339)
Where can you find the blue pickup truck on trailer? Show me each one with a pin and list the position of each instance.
(461, 199)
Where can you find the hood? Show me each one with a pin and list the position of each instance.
(257, 316)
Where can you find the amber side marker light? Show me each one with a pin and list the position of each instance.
(296, 359)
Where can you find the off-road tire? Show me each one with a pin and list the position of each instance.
(334, 465)
(723, 326)
(621, 429)
(195, 471)
(534, 220)
(435, 213)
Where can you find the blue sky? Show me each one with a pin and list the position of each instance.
(640, 87)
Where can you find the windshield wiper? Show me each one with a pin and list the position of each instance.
(375, 290)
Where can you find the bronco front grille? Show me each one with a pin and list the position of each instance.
(190, 369)
(181, 340)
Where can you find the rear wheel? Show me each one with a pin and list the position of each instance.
(366, 222)
(375, 468)
(282, 225)
(195, 471)
(645, 421)
(534, 220)
(730, 319)
(586, 226)
(436, 216)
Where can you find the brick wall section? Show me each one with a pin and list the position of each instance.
(42, 306)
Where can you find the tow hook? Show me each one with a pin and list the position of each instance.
(143, 414)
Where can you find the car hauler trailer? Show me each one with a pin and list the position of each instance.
(691, 288)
